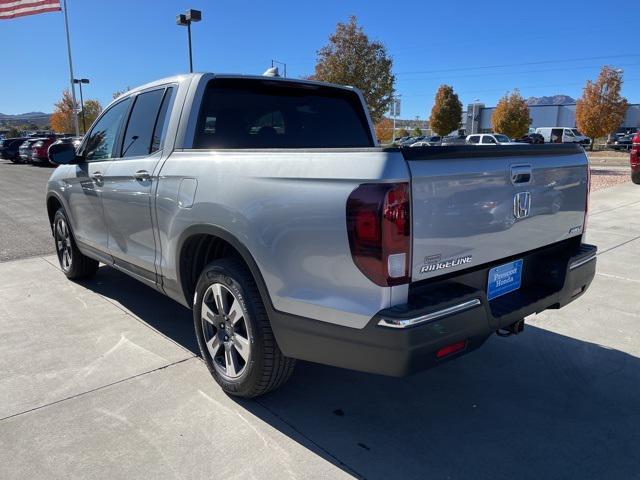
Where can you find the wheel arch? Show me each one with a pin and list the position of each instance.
(54, 203)
(218, 240)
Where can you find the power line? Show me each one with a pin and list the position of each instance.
(476, 75)
(472, 92)
(506, 65)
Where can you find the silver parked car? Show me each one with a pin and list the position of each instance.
(265, 205)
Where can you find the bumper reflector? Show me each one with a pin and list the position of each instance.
(450, 349)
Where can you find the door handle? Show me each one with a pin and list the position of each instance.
(97, 177)
(520, 174)
(142, 175)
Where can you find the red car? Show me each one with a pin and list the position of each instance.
(39, 150)
(635, 158)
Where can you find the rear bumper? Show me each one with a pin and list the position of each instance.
(404, 339)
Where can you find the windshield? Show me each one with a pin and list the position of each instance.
(502, 138)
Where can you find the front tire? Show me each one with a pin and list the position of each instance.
(234, 333)
(635, 177)
(74, 264)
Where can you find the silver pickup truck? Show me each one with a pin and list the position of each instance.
(266, 206)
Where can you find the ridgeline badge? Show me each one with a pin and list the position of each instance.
(434, 262)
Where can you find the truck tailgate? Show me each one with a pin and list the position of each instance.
(476, 205)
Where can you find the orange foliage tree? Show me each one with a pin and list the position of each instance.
(511, 115)
(601, 108)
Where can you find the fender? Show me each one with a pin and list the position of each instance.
(228, 237)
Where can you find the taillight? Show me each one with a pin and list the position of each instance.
(379, 230)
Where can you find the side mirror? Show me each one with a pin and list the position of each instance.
(62, 154)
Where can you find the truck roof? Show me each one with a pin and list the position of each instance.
(211, 75)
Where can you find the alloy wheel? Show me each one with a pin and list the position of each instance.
(226, 331)
(63, 244)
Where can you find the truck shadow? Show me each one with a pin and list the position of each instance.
(539, 405)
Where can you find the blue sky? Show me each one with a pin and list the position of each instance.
(483, 49)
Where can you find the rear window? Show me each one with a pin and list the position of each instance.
(237, 113)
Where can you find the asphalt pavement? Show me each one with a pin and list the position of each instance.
(24, 228)
(101, 379)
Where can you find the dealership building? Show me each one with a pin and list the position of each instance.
(477, 118)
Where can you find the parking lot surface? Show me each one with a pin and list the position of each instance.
(100, 379)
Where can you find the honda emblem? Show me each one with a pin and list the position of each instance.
(522, 204)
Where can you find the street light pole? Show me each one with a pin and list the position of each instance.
(80, 81)
(184, 20)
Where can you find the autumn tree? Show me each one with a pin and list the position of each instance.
(446, 112)
(511, 116)
(62, 117)
(92, 109)
(601, 108)
(384, 130)
(416, 132)
(350, 58)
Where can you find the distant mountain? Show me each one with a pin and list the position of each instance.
(552, 100)
(23, 116)
(39, 119)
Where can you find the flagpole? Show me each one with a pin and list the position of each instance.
(73, 88)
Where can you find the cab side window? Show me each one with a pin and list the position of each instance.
(101, 141)
(146, 126)
(488, 139)
(474, 139)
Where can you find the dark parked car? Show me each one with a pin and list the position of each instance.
(533, 138)
(634, 158)
(620, 141)
(9, 148)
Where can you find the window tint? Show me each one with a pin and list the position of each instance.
(487, 139)
(160, 130)
(474, 139)
(273, 114)
(139, 134)
(101, 139)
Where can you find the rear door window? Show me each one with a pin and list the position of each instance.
(143, 134)
(240, 113)
(474, 139)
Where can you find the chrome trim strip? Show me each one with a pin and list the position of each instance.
(429, 317)
(581, 262)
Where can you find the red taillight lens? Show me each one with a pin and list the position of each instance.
(379, 229)
(451, 349)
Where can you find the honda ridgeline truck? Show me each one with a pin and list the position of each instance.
(266, 206)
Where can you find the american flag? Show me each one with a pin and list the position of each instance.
(19, 8)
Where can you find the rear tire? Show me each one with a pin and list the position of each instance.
(635, 177)
(74, 264)
(234, 333)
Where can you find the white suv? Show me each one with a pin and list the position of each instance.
(490, 139)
